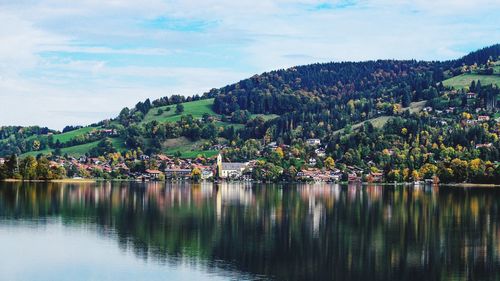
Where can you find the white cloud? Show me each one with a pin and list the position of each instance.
(94, 57)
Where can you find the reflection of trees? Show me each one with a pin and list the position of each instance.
(293, 233)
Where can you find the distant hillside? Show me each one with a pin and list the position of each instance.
(480, 56)
(286, 106)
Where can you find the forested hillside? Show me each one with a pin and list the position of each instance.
(398, 117)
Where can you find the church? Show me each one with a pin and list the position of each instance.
(226, 170)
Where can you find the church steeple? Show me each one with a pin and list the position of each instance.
(219, 165)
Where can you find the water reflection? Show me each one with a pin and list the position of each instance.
(314, 232)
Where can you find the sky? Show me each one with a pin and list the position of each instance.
(78, 62)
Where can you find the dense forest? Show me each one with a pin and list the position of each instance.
(402, 118)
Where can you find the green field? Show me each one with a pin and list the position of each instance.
(496, 69)
(464, 80)
(378, 122)
(265, 116)
(195, 108)
(65, 137)
(187, 148)
(78, 150)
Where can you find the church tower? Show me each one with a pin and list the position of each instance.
(219, 165)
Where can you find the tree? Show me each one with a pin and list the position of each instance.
(3, 172)
(179, 108)
(13, 167)
(36, 145)
(406, 99)
(329, 163)
(196, 175)
(459, 168)
(428, 170)
(27, 168)
(415, 175)
(43, 171)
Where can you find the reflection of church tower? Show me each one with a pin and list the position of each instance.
(219, 165)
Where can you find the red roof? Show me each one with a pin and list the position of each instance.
(152, 171)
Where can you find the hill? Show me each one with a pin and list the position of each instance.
(288, 106)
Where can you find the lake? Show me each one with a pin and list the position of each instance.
(155, 231)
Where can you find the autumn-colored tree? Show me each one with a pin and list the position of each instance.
(329, 163)
(196, 175)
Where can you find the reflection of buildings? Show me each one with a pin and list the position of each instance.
(233, 194)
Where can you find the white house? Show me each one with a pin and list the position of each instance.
(313, 142)
(206, 174)
(320, 152)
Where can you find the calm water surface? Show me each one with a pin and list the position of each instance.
(128, 231)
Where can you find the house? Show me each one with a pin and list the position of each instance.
(482, 118)
(312, 162)
(317, 175)
(353, 178)
(2, 161)
(153, 174)
(485, 145)
(207, 174)
(163, 158)
(471, 122)
(143, 157)
(272, 144)
(376, 177)
(177, 173)
(230, 170)
(108, 132)
(320, 152)
(313, 142)
(450, 110)
(471, 95)
(95, 161)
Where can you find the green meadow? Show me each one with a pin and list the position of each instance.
(78, 150)
(195, 108)
(464, 80)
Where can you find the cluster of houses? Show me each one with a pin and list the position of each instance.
(171, 168)
(183, 169)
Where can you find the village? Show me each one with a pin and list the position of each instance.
(161, 167)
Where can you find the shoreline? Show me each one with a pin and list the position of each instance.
(460, 185)
(52, 181)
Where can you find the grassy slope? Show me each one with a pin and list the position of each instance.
(464, 80)
(78, 150)
(195, 108)
(187, 148)
(377, 122)
(265, 116)
(380, 121)
(64, 137)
